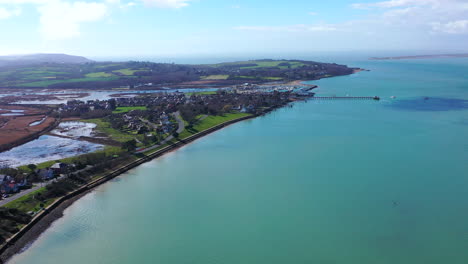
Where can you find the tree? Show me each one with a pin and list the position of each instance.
(227, 108)
(32, 167)
(112, 104)
(129, 145)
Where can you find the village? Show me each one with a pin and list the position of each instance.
(148, 120)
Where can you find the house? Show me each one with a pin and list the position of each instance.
(4, 178)
(45, 174)
(8, 185)
(59, 168)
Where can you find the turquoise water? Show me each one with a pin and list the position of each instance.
(322, 182)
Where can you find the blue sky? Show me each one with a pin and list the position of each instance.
(231, 27)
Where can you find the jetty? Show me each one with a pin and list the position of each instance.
(345, 97)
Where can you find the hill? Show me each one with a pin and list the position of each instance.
(146, 75)
(32, 59)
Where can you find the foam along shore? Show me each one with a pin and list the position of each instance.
(41, 221)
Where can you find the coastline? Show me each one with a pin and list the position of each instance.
(42, 221)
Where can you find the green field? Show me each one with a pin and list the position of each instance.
(127, 72)
(121, 110)
(27, 203)
(98, 75)
(50, 82)
(135, 74)
(216, 77)
(209, 122)
(201, 93)
(105, 127)
(260, 78)
(262, 64)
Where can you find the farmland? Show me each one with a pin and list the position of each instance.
(143, 75)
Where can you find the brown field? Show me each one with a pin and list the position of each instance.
(41, 97)
(15, 129)
(27, 110)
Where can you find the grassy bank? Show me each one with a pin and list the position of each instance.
(201, 93)
(120, 110)
(209, 122)
(28, 202)
(105, 127)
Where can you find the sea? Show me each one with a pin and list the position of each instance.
(322, 181)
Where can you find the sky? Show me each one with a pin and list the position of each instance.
(129, 28)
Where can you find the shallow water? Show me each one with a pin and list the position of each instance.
(337, 181)
(75, 129)
(12, 114)
(36, 123)
(98, 95)
(46, 148)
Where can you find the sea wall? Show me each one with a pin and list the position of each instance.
(13, 245)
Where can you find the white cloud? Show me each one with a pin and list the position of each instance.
(429, 16)
(290, 28)
(20, 2)
(62, 20)
(167, 3)
(453, 27)
(313, 13)
(6, 13)
(393, 3)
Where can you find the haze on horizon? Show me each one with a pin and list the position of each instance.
(210, 27)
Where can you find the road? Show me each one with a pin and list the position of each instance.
(180, 128)
(25, 192)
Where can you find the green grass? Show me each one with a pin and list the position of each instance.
(120, 110)
(270, 64)
(201, 93)
(262, 64)
(109, 150)
(209, 122)
(98, 75)
(107, 65)
(216, 77)
(51, 82)
(261, 78)
(105, 127)
(272, 78)
(27, 203)
(127, 72)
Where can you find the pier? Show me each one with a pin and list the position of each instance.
(346, 97)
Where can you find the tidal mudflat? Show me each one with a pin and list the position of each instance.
(46, 148)
(75, 129)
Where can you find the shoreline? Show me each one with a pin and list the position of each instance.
(43, 220)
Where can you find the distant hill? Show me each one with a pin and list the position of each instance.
(41, 58)
(149, 75)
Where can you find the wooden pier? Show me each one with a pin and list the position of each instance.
(346, 97)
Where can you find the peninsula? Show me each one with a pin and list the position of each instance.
(126, 130)
(80, 73)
